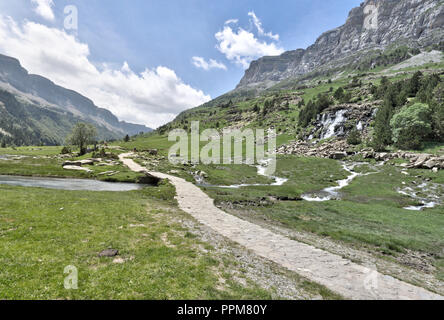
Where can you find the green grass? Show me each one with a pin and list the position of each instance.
(389, 230)
(225, 175)
(370, 213)
(304, 174)
(31, 151)
(150, 141)
(43, 231)
(436, 148)
(52, 167)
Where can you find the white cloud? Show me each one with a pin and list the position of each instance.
(201, 63)
(232, 21)
(44, 9)
(242, 46)
(260, 29)
(152, 97)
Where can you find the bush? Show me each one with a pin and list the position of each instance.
(411, 125)
(354, 138)
(66, 150)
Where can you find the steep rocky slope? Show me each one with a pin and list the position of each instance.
(35, 104)
(375, 25)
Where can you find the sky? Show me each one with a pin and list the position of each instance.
(145, 60)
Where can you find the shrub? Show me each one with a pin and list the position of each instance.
(354, 137)
(65, 150)
(411, 125)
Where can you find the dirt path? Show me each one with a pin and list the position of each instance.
(340, 275)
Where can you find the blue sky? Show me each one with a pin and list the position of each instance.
(147, 34)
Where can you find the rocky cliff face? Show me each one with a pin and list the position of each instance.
(43, 93)
(376, 24)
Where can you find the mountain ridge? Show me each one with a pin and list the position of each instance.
(374, 25)
(35, 92)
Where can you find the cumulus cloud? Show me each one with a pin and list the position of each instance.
(260, 29)
(242, 46)
(201, 63)
(44, 9)
(152, 97)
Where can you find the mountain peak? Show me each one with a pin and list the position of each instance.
(374, 25)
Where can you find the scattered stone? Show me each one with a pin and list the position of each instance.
(336, 149)
(153, 152)
(338, 155)
(76, 168)
(79, 163)
(118, 260)
(109, 253)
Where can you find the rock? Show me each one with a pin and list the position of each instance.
(76, 168)
(435, 170)
(338, 155)
(354, 40)
(72, 163)
(430, 164)
(109, 253)
(382, 156)
(118, 260)
(153, 152)
(368, 154)
(79, 163)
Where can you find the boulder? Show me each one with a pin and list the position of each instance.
(77, 168)
(79, 163)
(153, 152)
(338, 155)
(430, 164)
(109, 253)
(72, 163)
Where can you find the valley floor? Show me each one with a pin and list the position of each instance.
(167, 253)
(349, 279)
(163, 252)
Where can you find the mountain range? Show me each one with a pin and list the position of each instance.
(34, 110)
(370, 29)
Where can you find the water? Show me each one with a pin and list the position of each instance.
(262, 170)
(330, 123)
(431, 197)
(7, 157)
(331, 193)
(68, 184)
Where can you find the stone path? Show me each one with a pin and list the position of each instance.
(340, 275)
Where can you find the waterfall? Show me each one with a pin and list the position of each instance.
(331, 122)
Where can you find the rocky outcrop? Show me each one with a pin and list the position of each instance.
(77, 168)
(416, 160)
(338, 149)
(374, 25)
(339, 120)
